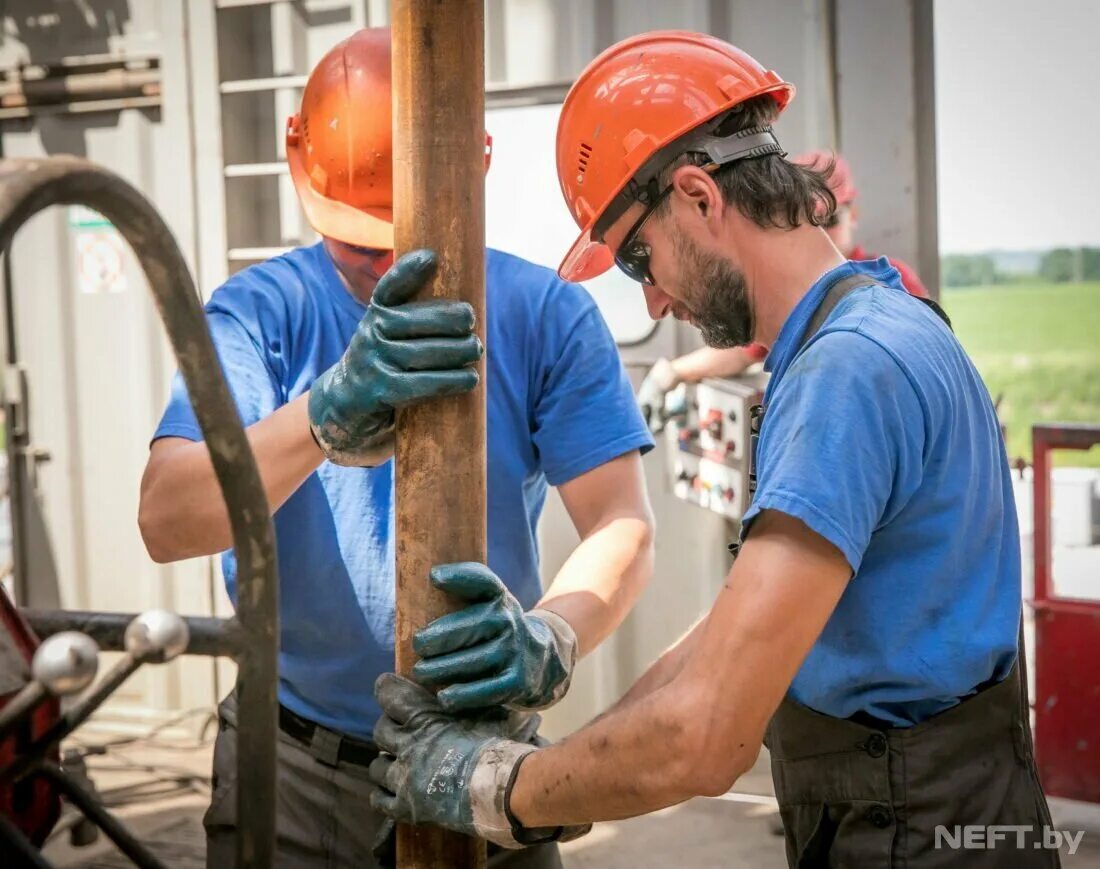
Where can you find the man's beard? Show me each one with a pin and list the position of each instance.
(719, 304)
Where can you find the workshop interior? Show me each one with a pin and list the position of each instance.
(159, 177)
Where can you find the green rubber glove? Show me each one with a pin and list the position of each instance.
(402, 353)
(453, 772)
(491, 653)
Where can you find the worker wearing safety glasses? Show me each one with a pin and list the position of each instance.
(666, 374)
(320, 346)
(868, 631)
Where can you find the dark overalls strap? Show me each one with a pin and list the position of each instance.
(832, 298)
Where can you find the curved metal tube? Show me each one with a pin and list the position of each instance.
(27, 186)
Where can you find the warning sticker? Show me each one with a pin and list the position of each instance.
(100, 252)
(83, 217)
(100, 262)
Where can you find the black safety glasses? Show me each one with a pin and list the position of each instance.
(704, 148)
(632, 257)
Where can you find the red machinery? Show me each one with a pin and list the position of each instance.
(1067, 646)
(32, 803)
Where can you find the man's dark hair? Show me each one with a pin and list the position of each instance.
(770, 191)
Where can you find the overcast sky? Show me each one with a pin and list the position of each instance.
(1018, 123)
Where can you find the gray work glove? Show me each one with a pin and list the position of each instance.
(448, 771)
(519, 726)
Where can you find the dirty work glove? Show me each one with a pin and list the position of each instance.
(402, 353)
(453, 772)
(661, 379)
(491, 653)
(518, 726)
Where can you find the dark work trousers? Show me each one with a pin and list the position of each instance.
(322, 817)
(853, 795)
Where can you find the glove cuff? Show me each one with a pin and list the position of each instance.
(489, 785)
(371, 446)
(369, 453)
(565, 650)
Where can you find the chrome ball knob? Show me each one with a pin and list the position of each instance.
(157, 635)
(66, 663)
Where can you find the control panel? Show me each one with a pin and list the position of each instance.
(707, 442)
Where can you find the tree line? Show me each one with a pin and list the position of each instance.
(1060, 265)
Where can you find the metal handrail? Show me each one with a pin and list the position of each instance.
(28, 186)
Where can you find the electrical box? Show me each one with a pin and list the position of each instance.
(707, 442)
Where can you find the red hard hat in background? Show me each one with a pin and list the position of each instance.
(637, 97)
(841, 182)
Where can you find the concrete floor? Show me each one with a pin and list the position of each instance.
(705, 834)
(701, 833)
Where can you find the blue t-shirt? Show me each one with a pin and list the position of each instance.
(559, 404)
(880, 436)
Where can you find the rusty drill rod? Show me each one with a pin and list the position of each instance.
(439, 203)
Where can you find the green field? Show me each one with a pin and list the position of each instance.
(1037, 346)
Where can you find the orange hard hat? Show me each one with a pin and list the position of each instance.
(841, 183)
(626, 118)
(340, 144)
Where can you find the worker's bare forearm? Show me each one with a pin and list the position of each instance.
(620, 741)
(661, 672)
(700, 731)
(183, 514)
(600, 582)
(711, 362)
(627, 763)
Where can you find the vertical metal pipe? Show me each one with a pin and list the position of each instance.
(439, 202)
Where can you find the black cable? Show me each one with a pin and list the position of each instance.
(149, 736)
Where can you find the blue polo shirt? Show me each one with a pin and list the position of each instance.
(880, 436)
(558, 404)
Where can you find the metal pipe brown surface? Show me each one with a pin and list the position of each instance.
(439, 202)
